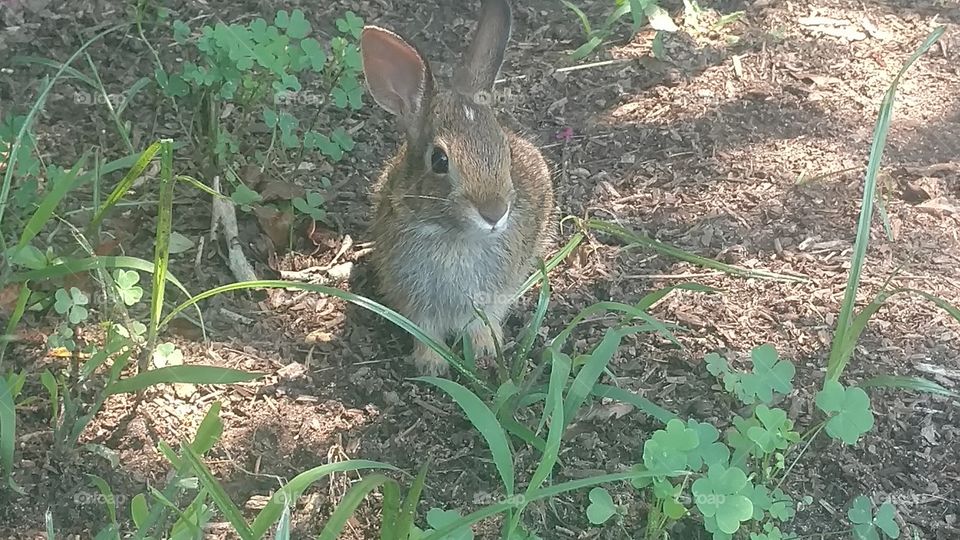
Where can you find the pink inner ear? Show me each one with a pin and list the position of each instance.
(394, 71)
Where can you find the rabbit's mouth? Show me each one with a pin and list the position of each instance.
(487, 225)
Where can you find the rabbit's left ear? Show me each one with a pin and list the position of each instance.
(397, 75)
(484, 56)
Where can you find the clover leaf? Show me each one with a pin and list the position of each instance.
(601, 506)
(127, 287)
(775, 429)
(244, 196)
(71, 304)
(311, 204)
(167, 354)
(350, 24)
(769, 374)
(296, 25)
(666, 451)
(716, 364)
(849, 410)
(181, 32)
(314, 54)
(865, 524)
(439, 518)
(708, 450)
(717, 495)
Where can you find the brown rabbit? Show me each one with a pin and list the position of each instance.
(465, 208)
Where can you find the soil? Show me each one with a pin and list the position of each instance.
(747, 142)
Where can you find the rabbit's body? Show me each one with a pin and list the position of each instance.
(466, 207)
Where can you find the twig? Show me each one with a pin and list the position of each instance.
(225, 214)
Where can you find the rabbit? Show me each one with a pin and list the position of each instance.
(466, 207)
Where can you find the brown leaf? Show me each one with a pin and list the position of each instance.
(8, 298)
(275, 189)
(275, 224)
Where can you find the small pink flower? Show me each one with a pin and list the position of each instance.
(565, 134)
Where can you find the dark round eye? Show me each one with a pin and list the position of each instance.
(438, 161)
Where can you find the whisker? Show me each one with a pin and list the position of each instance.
(428, 197)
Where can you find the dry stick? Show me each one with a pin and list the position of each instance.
(225, 214)
(574, 68)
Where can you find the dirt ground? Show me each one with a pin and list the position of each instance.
(746, 143)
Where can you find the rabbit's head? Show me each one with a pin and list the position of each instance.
(457, 157)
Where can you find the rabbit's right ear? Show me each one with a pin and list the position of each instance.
(397, 75)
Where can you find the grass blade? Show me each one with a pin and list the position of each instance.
(49, 204)
(182, 374)
(584, 21)
(907, 383)
(108, 498)
(587, 376)
(291, 491)
(209, 432)
(219, 496)
(123, 186)
(161, 254)
(8, 431)
(551, 263)
(409, 509)
(641, 240)
(349, 504)
(545, 493)
(18, 309)
(354, 299)
(559, 372)
(601, 391)
(529, 334)
(836, 362)
(485, 422)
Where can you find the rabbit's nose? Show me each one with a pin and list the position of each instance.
(493, 210)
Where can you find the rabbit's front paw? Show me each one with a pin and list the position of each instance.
(485, 338)
(428, 361)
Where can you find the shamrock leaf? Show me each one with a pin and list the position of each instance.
(343, 139)
(350, 24)
(270, 118)
(601, 506)
(737, 436)
(71, 304)
(865, 524)
(127, 288)
(244, 196)
(438, 518)
(774, 431)
(885, 520)
(296, 25)
(311, 204)
(717, 496)
(167, 354)
(716, 364)
(314, 54)
(769, 374)
(849, 410)
(181, 32)
(770, 532)
(666, 451)
(759, 495)
(708, 450)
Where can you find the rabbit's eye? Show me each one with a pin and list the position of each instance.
(438, 161)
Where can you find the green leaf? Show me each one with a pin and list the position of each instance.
(717, 496)
(860, 511)
(659, 18)
(295, 23)
(709, 450)
(438, 518)
(139, 511)
(716, 364)
(244, 196)
(849, 410)
(485, 422)
(885, 520)
(270, 117)
(182, 374)
(666, 451)
(29, 256)
(314, 53)
(601, 506)
(918, 384)
(127, 288)
(179, 243)
(350, 24)
(181, 32)
(8, 431)
(769, 374)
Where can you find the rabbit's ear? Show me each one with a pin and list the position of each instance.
(484, 56)
(397, 75)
